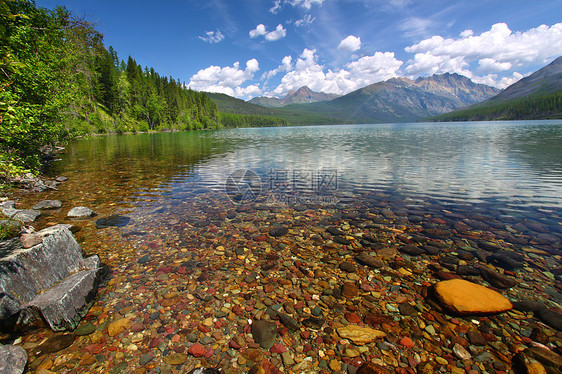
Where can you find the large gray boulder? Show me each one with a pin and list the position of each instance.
(12, 359)
(50, 282)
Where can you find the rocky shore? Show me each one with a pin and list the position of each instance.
(364, 286)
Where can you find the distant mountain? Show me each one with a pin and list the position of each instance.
(538, 96)
(542, 82)
(402, 99)
(229, 104)
(300, 96)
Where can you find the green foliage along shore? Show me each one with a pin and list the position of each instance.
(58, 81)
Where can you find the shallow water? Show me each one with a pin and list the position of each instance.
(193, 256)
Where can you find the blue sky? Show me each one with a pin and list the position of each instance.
(248, 48)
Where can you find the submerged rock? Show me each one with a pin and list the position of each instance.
(80, 212)
(360, 335)
(264, 333)
(464, 297)
(113, 221)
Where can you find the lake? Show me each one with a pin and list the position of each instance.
(511, 170)
(332, 225)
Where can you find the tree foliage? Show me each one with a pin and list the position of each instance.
(57, 80)
(533, 107)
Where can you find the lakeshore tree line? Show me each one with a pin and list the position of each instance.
(59, 81)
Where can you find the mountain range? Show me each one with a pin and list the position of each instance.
(404, 100)
(537, 96)
(301, 96)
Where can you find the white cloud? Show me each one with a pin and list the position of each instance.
(350, 44)
(258, 31)
(271, 36)
(286, 66)
(306, 20)
(212, 37)
(228, 79)
(279, 33)
(307, 4)
(489, 64)
(276, 6)
(496, 50)
(367, 70)
(415, 26)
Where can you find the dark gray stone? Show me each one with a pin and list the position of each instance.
(80, 212)
(278, 231)
(551, 318)
(289, 322)
(366, 259)
(496, 279)
(48, 204)
(528, 306)
(506, 260)
(264, 333)
(13, 359)
(114, 221)
(411, 250)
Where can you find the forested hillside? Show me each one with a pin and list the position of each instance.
(57, 80)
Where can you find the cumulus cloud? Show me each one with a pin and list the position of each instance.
(258, 31)
(362, 72)
(277, 34)
(270, 36)
(286, 66)
(228, 79)
(350, 44)
(212, 37)
(496, 50)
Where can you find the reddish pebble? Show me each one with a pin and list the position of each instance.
(260, 238)
(278, 348)
(305, 334)
(232, 344)
(197, 350)
(407, 342)
(175, 338)
(203, 329)
(353, 318)
(209, 353)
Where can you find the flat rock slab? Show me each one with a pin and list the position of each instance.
(24, 216)
(48, 204)
(464, 297)
(12, 359)
(360, 335)
(63, 306)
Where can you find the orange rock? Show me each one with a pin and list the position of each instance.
(464, 297)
